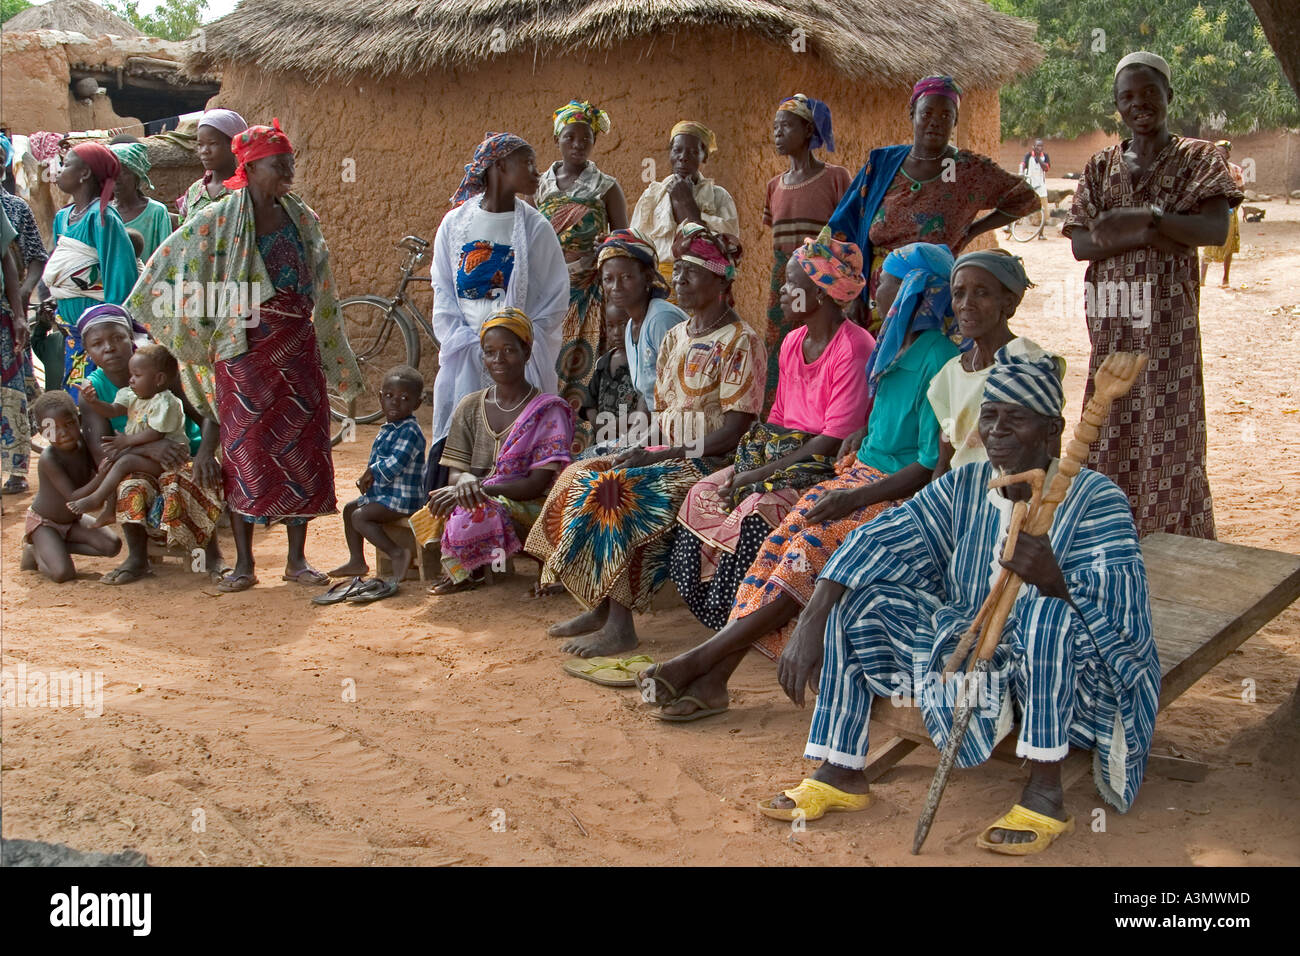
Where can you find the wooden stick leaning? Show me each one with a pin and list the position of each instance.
(1113, 379)
(1019, 512)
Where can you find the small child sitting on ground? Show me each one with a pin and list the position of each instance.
(392, 488)
(53, 533)
(152, 412)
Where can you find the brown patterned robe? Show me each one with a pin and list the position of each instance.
(1146, 300)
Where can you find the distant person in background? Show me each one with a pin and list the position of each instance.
(212, 144)
(146, 216)
(1034, 168)
(1232, 245)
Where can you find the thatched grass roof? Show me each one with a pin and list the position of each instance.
(891, 43)
(72, 16)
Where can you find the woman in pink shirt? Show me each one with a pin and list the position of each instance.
(821, 398)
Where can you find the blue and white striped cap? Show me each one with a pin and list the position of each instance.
(1032, 383)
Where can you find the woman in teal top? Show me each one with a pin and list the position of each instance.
(181, 506)
(146, 216)
(91, 252)
(894, 460)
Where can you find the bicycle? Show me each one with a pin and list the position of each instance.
(383, 333)
(1028, 227)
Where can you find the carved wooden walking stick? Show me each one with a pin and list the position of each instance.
(1035, 479)
(1112, 381)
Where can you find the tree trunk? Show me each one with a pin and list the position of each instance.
(1282, 27)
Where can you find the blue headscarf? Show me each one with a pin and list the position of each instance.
(924, 301)
(7, 148)
(815, 112)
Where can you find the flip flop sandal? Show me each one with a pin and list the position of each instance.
(609, 671)
(309, 576)
(382, 589)
(340, 592)
(448, 586)
(16, 485)
(701, 711)
(1023, 820)
(234, 583)
(816, 799)
(216, 574)
(539, 591)
(643, 680)
(119, 576)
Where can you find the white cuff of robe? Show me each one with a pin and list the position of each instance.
(1041, 754)
(835, 757)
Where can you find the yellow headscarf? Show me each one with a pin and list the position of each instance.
(513, 320)
(699, 131)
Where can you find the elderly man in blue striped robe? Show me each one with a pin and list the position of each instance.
(1077, 659)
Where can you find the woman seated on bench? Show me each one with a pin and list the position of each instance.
(505, 446)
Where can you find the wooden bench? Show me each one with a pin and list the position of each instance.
(1207, 598)
(425, 562)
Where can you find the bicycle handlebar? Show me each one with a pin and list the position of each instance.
(414, 243)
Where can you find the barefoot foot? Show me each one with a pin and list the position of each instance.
(676, 673)
(605, 642)
(584, 623)
(107, 516)
(350, 569)
(708, 689)
(81, 506)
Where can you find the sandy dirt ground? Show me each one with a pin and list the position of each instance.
(226, 737)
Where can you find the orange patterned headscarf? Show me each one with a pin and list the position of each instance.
(256, 142)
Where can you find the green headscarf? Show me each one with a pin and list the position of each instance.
(135, 157)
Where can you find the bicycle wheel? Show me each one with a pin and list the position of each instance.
(1027, 227)
(381, 336)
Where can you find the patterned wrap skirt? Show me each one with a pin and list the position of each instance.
(721, 535)
(795, 553)
(275, 419)
(174, 509)
(15, 385)
(488, 534)
(607, 532)
(778, 327)
(1231, 246)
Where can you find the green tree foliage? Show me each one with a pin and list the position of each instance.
(1225, 74)
(9, 7)
(171, 19)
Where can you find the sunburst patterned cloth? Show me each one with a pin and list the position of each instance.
(607, 531)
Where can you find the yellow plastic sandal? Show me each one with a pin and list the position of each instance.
(816, 799)
(1045, 829)
(609, 671)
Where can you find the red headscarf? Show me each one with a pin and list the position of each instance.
(99, 159)
(256, 142)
